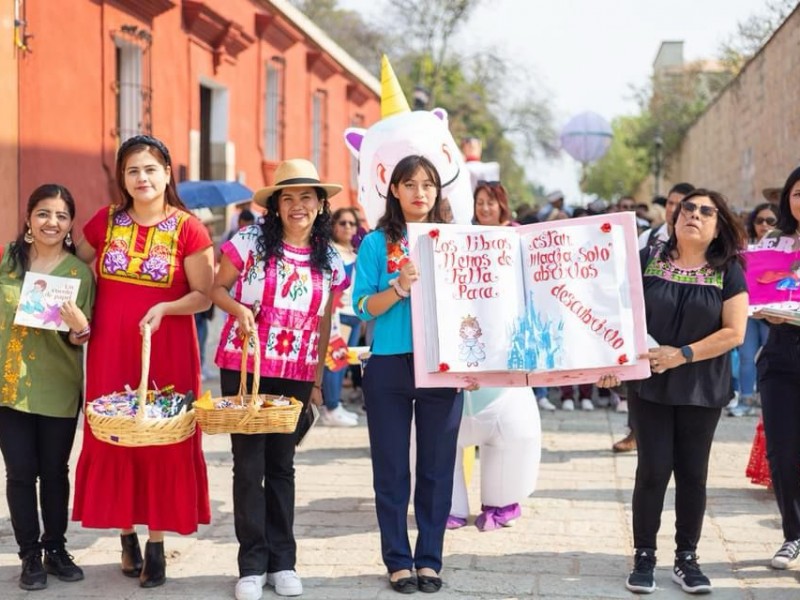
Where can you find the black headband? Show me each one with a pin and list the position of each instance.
(146, 140)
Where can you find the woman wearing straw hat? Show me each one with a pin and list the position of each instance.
(276, 278)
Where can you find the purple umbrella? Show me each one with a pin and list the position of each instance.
(586, 137)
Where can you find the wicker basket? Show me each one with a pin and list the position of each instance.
(139, 430)
(253, 418)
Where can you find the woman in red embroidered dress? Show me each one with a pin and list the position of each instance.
(154, 265)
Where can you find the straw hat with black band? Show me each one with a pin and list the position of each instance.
(295, 173)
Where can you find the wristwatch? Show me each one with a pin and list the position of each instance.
(687, 353)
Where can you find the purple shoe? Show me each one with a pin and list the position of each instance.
(493, 517)
(506, 515)
(454, 522)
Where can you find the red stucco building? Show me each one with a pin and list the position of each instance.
(232, 87)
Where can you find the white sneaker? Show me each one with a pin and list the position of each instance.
(336, 417)
(349, 413)
(545, 404)
(286, 583)
(586, 404)
(622, 406)
(567, 405)
(250, 587)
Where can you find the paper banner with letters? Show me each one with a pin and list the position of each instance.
(551, 303)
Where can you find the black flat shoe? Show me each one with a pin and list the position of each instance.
(404, 585)
(429, 584)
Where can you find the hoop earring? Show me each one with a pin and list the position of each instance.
(68, 239)
(28, 237)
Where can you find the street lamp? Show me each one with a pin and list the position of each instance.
(658, 142)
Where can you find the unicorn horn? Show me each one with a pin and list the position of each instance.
(393, 101)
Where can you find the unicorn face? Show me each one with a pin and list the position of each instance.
(380, 147)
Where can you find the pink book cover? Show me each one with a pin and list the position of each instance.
(773, 277)
(546, 304)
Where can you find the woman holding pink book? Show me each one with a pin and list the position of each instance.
(779, 385)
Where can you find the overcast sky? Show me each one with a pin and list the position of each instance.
(588, 53)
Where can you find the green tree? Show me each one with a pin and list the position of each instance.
(473, 89)
(624, 165)
(347, 28)
(752, 33)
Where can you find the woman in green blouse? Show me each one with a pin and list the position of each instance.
(42, 384)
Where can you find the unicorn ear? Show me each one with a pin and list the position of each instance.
(353, 136)
(440, 113)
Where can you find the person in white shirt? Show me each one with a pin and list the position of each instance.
(661, 234)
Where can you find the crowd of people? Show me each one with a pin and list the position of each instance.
(283, 282)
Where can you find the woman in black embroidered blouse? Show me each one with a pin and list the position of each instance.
(696, 309)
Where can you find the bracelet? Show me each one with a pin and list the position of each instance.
(319, 387)
(82, 333)
(401, 293)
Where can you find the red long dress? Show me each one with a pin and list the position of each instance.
(163, 487)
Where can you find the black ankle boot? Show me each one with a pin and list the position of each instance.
(59, 562)
(131, 555)
(154, 571)
(33, 576)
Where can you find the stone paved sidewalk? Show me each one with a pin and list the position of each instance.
(573, 540)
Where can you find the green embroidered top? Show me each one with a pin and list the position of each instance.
(42, 371)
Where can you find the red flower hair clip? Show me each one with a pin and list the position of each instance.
(605, 227)
(444, 367)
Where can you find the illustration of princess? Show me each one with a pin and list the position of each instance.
(470, 350)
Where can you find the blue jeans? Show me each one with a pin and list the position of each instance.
(755, 336)
(201, 322)
(332, 380)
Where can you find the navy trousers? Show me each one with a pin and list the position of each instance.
(391, 399)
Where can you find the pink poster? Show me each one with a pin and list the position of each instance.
(772, 276)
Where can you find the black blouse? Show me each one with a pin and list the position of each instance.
(682, 307)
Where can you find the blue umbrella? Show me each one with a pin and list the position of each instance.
(205, 194)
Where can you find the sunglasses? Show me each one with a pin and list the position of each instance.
(767, 220)
(689, 208)
(347, 223)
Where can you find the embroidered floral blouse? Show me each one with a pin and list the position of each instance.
(290, 298)
(683, 306)
(42, 371)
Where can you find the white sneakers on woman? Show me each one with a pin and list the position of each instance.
(251, 587)
(338, 417)
(286, 583)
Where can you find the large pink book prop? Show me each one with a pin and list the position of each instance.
(773, 282)
(538, 305)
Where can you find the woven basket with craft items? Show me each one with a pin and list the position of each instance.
(142, 417)
(248, 413)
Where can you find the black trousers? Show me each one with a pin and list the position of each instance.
(391, 400)
(263, 484)
(779, 384)
(671, 440)
(35, 446)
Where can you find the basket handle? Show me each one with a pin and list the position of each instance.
(141, 393)
(256, 369)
